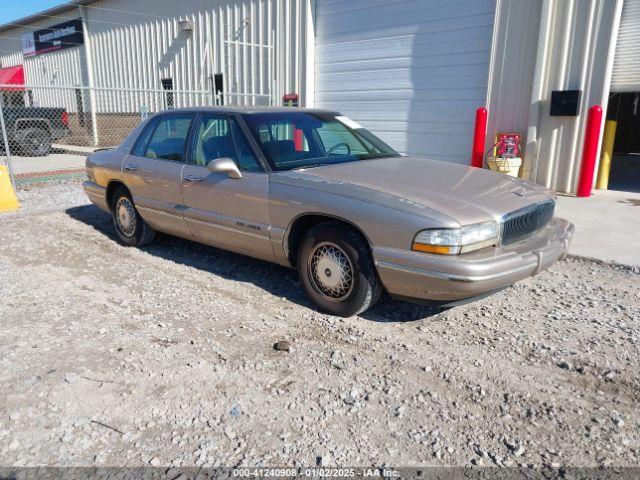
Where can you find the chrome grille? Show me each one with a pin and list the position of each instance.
(521, 223)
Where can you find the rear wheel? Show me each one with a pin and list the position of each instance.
(130, 227)
(36, 142)
(336, 269)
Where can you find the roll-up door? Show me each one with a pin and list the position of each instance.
(411, 71)
(626, 63)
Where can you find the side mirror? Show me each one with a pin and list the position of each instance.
(224, 165)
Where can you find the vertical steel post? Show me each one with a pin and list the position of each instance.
(589, 151)
(7, 152)
(479, 134)
(90, 77)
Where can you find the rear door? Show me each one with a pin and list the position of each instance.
(222, 211)
(153, 172)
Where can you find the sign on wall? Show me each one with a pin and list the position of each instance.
(57, 37)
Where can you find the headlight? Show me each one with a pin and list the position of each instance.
(452, 241)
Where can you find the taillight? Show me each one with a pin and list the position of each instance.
(65, 118)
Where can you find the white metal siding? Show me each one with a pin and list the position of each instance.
(64, 67)
(412, 71)
(626, 63)
(136, 44)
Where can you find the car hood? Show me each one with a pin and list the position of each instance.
(466, 194)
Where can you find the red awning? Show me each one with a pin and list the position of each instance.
(11, 76)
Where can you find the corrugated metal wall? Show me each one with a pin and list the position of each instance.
(134, 45)
(574, 51)
(511, 80)
(412, 71)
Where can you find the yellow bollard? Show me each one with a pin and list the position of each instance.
(8, 199)
(605, 157)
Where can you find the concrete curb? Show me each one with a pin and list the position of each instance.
(75, 148)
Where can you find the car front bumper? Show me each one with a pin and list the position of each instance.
(422, 276)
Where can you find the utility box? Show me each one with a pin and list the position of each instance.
(565, 103)
(290, 100)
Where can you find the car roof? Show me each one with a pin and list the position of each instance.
(248, 110)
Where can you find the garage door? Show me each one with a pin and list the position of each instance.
(626, 62)
(412, 71)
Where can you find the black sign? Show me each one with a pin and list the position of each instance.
(64, 35)
(565, 103)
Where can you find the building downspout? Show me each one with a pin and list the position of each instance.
(585, 87)
(608, 72)
(90, 77)
(532, 149)
(310, 61)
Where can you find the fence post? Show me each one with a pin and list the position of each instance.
(90, 77)
(94, 118)
(7, 152)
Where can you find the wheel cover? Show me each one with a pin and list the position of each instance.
(38, 143)
(330, 271)
(125, 217)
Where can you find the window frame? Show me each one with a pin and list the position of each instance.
(154, 122)
(151, 125)
(243, 129)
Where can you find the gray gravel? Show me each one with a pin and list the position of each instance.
(167, 356)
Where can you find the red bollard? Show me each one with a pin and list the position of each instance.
(589, 150)
(479, 134)
(297, 139)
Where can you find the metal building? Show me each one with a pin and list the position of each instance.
(250, 50)
(412, 71)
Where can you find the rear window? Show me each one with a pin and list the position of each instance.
(141, 144)
(169, 138)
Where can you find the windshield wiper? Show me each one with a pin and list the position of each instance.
(374, 156)
(313, 166)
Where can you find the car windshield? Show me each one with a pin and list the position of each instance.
(304, 140)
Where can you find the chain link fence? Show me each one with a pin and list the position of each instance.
(44, 127)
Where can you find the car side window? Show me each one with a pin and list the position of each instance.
(218, 136)
(143, 139)
(246, 159)
(169, 139)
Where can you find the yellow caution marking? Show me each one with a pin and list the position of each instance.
(605, 157)
(8, 199)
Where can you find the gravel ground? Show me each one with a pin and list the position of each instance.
(164, 356)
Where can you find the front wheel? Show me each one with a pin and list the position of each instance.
(336, 270)
(130, 227)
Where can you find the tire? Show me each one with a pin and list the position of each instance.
(36, 142)
(130, 227)
(336, 270)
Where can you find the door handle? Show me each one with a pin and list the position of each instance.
(190, 178)
(131, 168)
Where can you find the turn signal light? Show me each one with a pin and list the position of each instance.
(441, 249)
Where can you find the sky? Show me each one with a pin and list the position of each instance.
(14, 9)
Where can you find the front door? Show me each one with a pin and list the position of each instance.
(153, 172)
(222, 211)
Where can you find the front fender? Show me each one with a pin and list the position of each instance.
(384, 222)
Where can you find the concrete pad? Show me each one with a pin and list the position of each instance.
(74, 148)
(607, 225)
(54, 161)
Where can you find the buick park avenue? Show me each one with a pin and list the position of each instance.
(313, 190)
